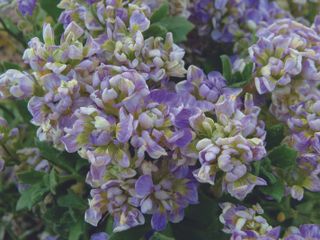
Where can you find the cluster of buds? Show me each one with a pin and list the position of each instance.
(286, 65)
(233, 21)
(228, 137)
(118, 28)
(95, 93)
(246, 223)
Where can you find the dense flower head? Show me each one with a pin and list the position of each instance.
(161, 189)
(246, 223)
(227, 143)
(230, 145)
(96, 95)
(121, 39)
(233, 21)
(286, 65)
(285, 52)
(306, 231)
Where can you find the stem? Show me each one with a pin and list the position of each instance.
(18, 37)
(7, 111)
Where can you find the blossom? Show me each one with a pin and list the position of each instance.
(229, 145)
(305, 231)
(26, 7)
(233, 21)
(246, 223)
(99, 236)
(121, 39)
(16, 84)
(283, 53)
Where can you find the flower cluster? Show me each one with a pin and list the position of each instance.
(246, 223)
(228, 143)
(97, 95)
(234, 21)
(287, 66)
(118, 29)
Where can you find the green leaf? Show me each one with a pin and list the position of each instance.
(155, 30)
(51, 8)
(179, 26)
(53, 181)
(160, 236)
(72, 200)
(76, 231)
(31, 196)
(247, 72)
(8, 65)
(283, 156)
(30, 177)
(275, 135)
(226, 68)
(275, 190)
(201, 221)
(135, 233)
(266, 170)
(160, 13)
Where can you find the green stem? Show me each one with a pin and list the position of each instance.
(18, 37)
(7, 111)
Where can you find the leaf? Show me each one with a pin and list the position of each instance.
(160, 13)
(53, 181)
(179, 26)
(160, 236)
(155, 30)
(247, 72)
(226, 68)
(76, 231)
(275, 135)
(201, 221)
(8, 65)
(276, 190)
(31, 196)
(30, 177)
(72, 200)
(283, 156)
(266, 170)
(51, 8)
(135, 233)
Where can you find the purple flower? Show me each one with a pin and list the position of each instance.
(26, 7)
(99, 236)
(16, 84)
(167, 198)
(233, 21)
(306, 231)
(246, 223)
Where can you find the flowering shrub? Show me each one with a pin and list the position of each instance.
(159, 120)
